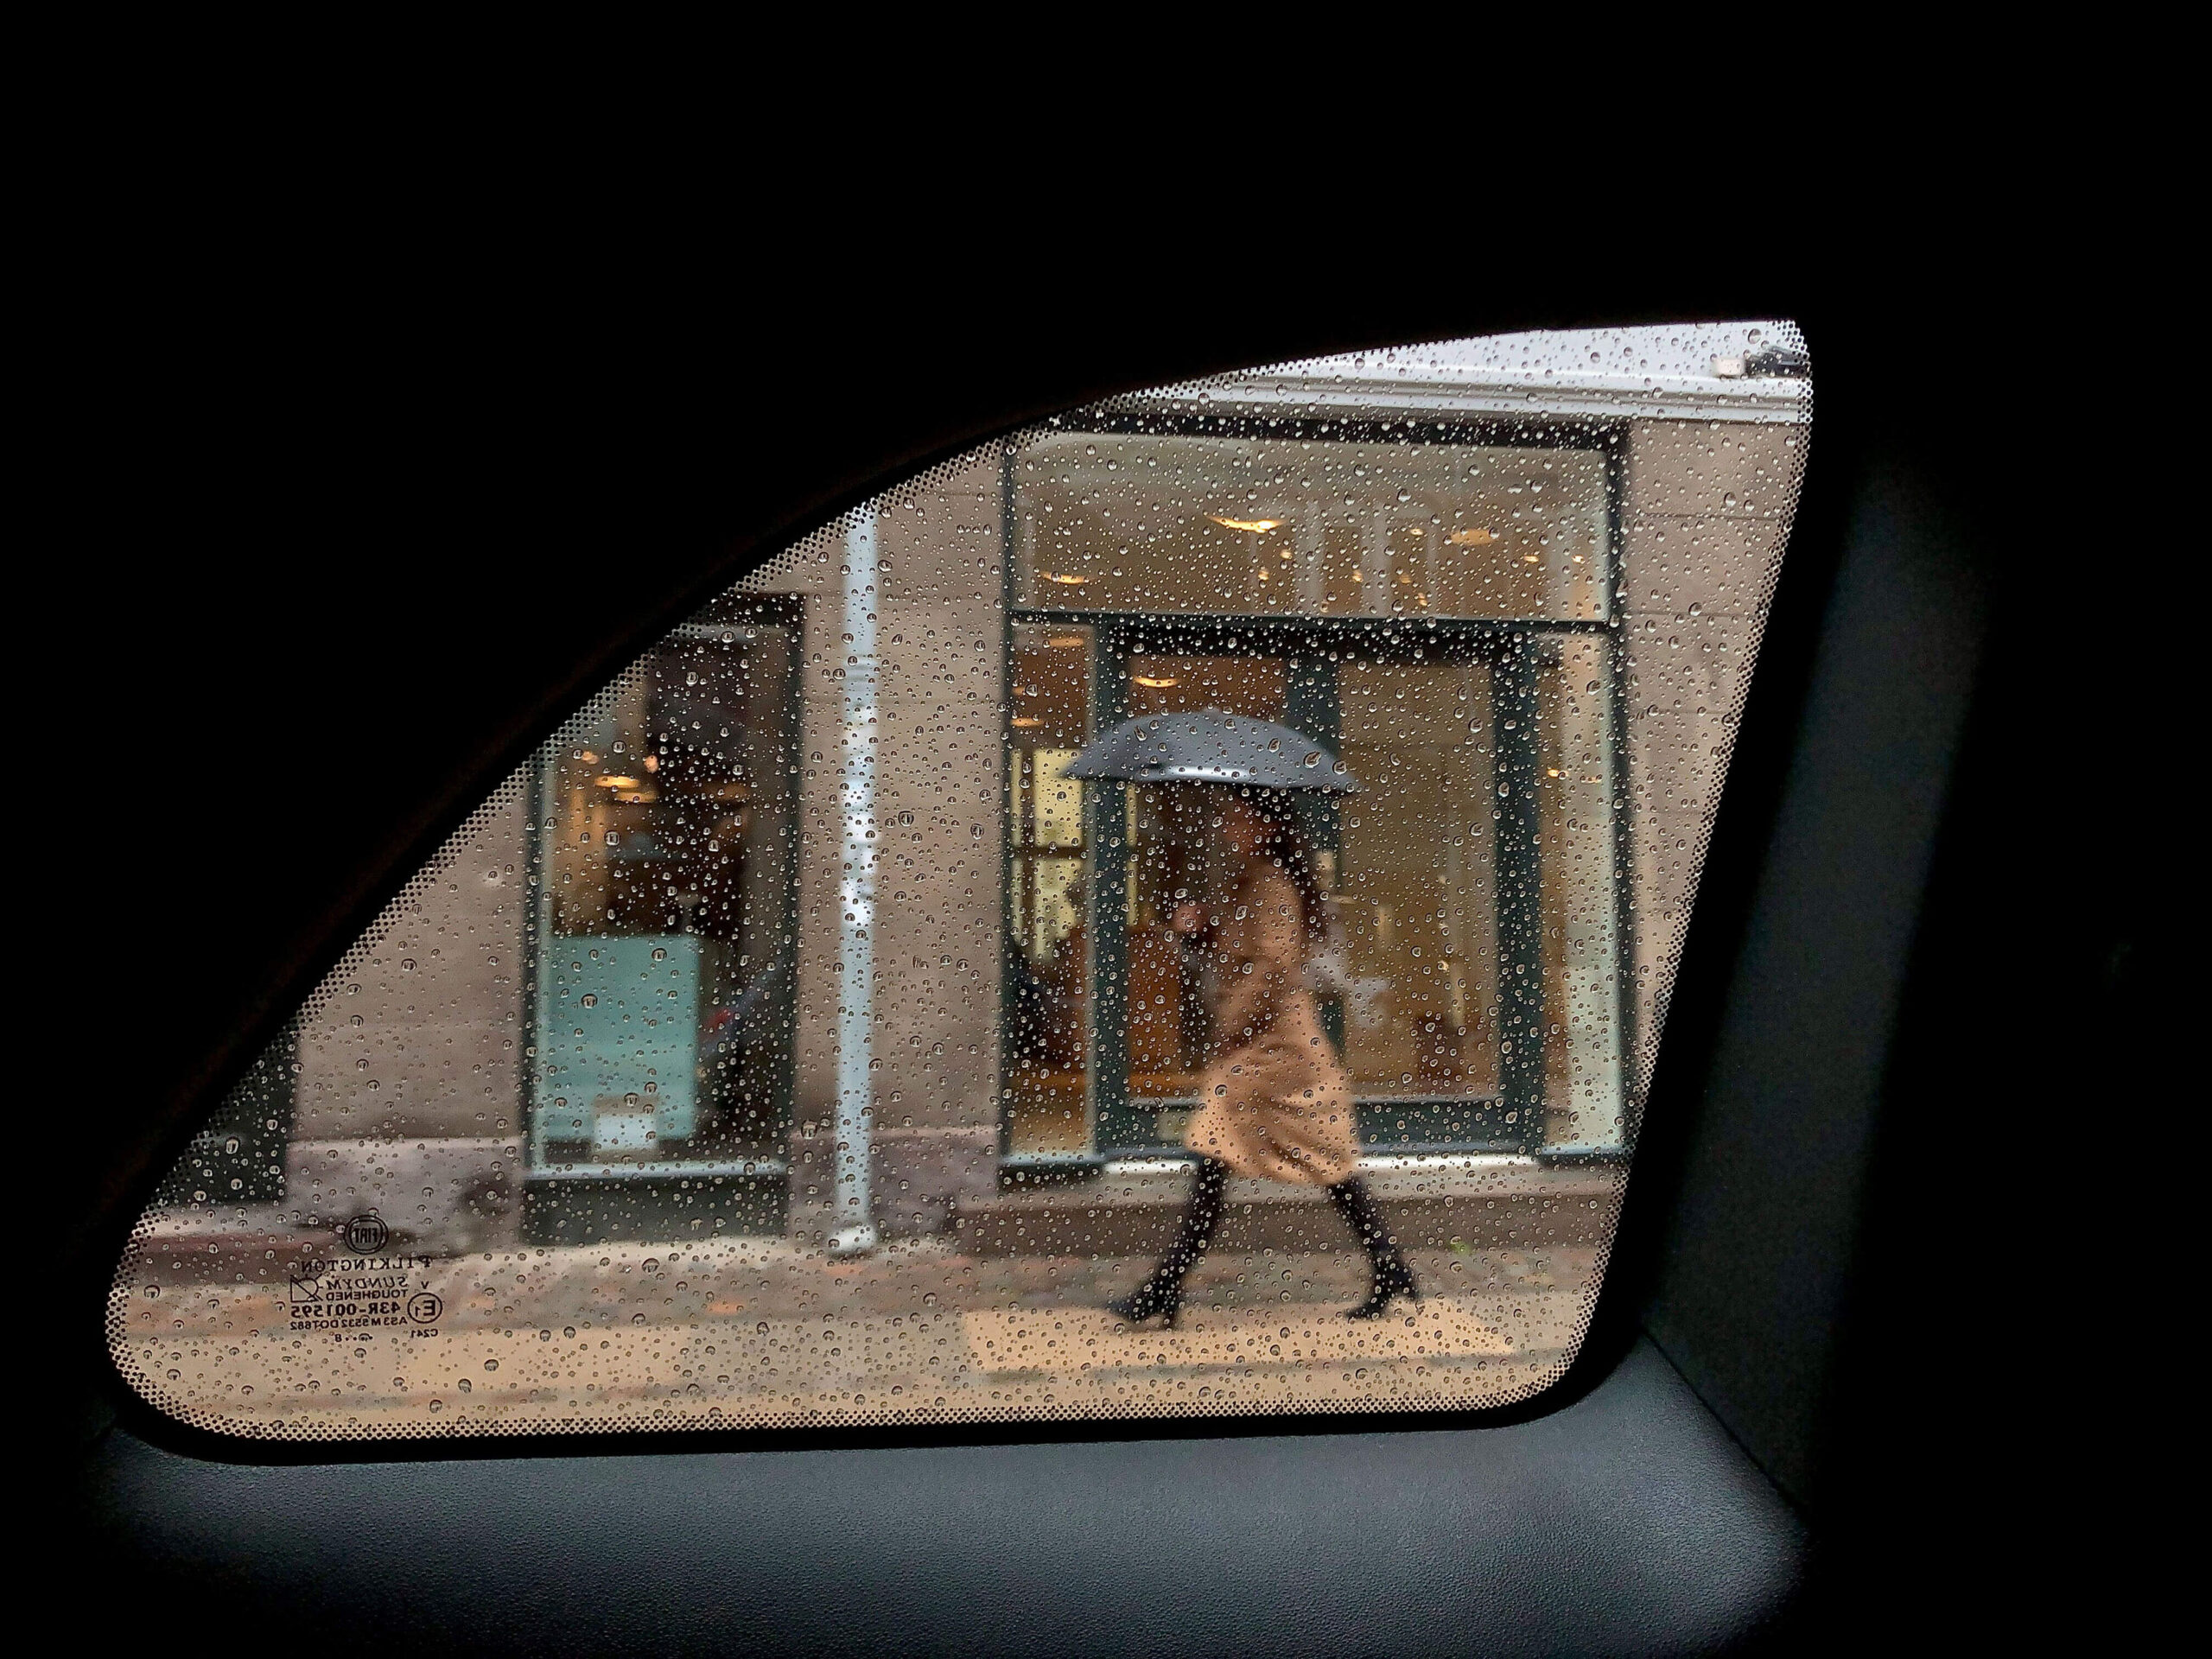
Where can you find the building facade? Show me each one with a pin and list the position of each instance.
(801, 928)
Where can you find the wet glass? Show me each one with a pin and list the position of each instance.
(1048, 962)
(1417, 893)
(664, 980)
(794, 1042)
(1309, 524)
(1583, 900)
(1174, 860)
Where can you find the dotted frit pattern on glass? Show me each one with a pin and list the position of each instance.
(795, 1042)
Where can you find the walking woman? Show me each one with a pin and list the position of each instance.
(1275, 1102)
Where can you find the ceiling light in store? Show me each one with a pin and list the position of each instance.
(1025, 721)
(1528, 558)
(618, 782)
(1064, 641)
(1157, 684)
(1066, 582)
(1470, 539)
(1243, 523)
(1028, 691)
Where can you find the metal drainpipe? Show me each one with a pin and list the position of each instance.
(853, 1232)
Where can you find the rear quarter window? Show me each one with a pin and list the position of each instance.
(831, 1026)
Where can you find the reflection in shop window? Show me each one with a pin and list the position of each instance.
(796, 1040)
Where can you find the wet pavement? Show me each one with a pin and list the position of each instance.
(760, 1332)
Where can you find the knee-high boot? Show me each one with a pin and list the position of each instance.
(1161, 1293)
(1390, 1275)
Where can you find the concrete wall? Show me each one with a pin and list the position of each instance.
(940, 761)
(1707, 508)
(411, 1075)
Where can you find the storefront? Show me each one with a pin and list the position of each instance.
(1432, 606)
(800, 925)
(1437, 603)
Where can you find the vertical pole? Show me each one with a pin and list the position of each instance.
(537, 959)
(853, 1230)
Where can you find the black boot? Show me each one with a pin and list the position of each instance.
(1161, 1293)
(1393, 1278)
(1390, 1276)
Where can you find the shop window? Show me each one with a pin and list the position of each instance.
(1048, 968)
(816, 1033)
(662, 990)
(1311, 520)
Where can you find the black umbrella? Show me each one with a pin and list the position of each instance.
(1208, 746)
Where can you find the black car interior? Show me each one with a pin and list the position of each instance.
(372, 558)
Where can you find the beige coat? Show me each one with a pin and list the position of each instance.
(1276, 1104)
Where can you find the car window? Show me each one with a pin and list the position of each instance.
(1171, 913)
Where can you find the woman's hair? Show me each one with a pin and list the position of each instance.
(1286, 844)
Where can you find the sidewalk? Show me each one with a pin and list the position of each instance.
(762, 1332)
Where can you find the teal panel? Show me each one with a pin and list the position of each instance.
(619, 1052)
